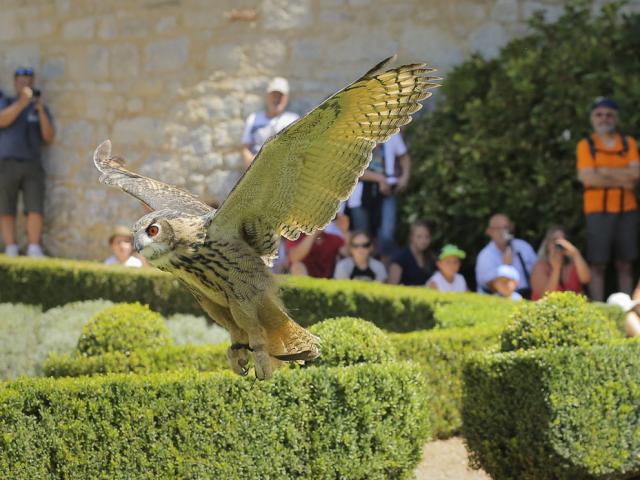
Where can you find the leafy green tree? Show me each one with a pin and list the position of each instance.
(504, 133)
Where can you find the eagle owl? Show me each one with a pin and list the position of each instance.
(294, 186)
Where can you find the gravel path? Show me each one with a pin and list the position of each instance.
(447, 460)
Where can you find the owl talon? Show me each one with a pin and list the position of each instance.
(238, 359)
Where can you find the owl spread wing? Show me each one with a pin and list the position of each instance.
(154, 194)
(300, 176)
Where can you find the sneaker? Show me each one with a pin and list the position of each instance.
(11, 250)
(35, 251)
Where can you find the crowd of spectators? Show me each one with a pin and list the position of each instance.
(360, 242)
(364, 246)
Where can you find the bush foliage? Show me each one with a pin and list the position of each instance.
(517, 119)
(28, 336)
(441, 354)
(309, 300)
(560, 319)
(348, 341)
(367, 421)
(202, 358)
(564, 414)
(123, 328)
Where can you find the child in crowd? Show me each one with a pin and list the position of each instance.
(447, 278)
(360, 265)
(506, 282)
(121, 245)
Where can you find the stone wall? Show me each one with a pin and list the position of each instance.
(171, 81)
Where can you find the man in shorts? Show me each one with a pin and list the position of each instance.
(25, 126)
(608, 168)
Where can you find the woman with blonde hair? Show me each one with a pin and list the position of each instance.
(560, 266)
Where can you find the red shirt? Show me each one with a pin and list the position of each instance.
(571, 285)
(321, 259)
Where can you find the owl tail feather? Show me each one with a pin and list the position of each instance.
(286, 340)
(296, 343)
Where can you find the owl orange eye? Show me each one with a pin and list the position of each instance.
(152, 230)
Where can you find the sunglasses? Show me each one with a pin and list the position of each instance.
(361, 245)
(24, 71)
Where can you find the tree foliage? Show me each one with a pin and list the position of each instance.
(503, 136)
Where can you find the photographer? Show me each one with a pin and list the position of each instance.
(560, 266)
(504, 249)
(25, 125)
(372, 206)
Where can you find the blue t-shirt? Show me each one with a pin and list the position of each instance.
(412, 273)
(23, 138)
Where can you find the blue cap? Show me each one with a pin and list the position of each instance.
(604, 102)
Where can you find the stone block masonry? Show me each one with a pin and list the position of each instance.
(171, 81)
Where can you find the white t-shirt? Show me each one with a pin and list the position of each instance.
(346, 269)
(392, 149)
(459, 283)
(259, 128)
(131, 261)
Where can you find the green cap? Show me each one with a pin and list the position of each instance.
(450, 250)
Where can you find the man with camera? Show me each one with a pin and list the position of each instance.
(25, 126)
(504, 249)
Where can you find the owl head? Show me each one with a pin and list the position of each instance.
(154, 236)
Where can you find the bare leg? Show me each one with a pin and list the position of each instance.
(625, 273)
(632, 324)
(8, 223)
(596, 286)
(34, 227)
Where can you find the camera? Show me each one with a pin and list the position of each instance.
(559, 248)
(36, 92)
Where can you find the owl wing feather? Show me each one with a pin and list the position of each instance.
(300, 176)
(153, 193)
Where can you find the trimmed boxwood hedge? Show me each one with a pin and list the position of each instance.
(309, 300)
(203, 358)
(123, 328)
(348, 340)
(570, 413)
(367, 421)
(440, 355)
(560, 319)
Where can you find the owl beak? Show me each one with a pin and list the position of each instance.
(137, 246)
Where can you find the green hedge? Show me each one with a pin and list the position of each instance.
(28, 336)
(348, 340)
(440, 355)
(203, 358)
(309, 300)
(367, 421)
(123, 328)
(560, 319)
(570, 413)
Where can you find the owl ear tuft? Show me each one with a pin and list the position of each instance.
(102, 153)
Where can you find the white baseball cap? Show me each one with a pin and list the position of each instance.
(507, 271)
(623, 301)
(278, 84)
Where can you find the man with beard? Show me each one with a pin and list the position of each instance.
(608, 169)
